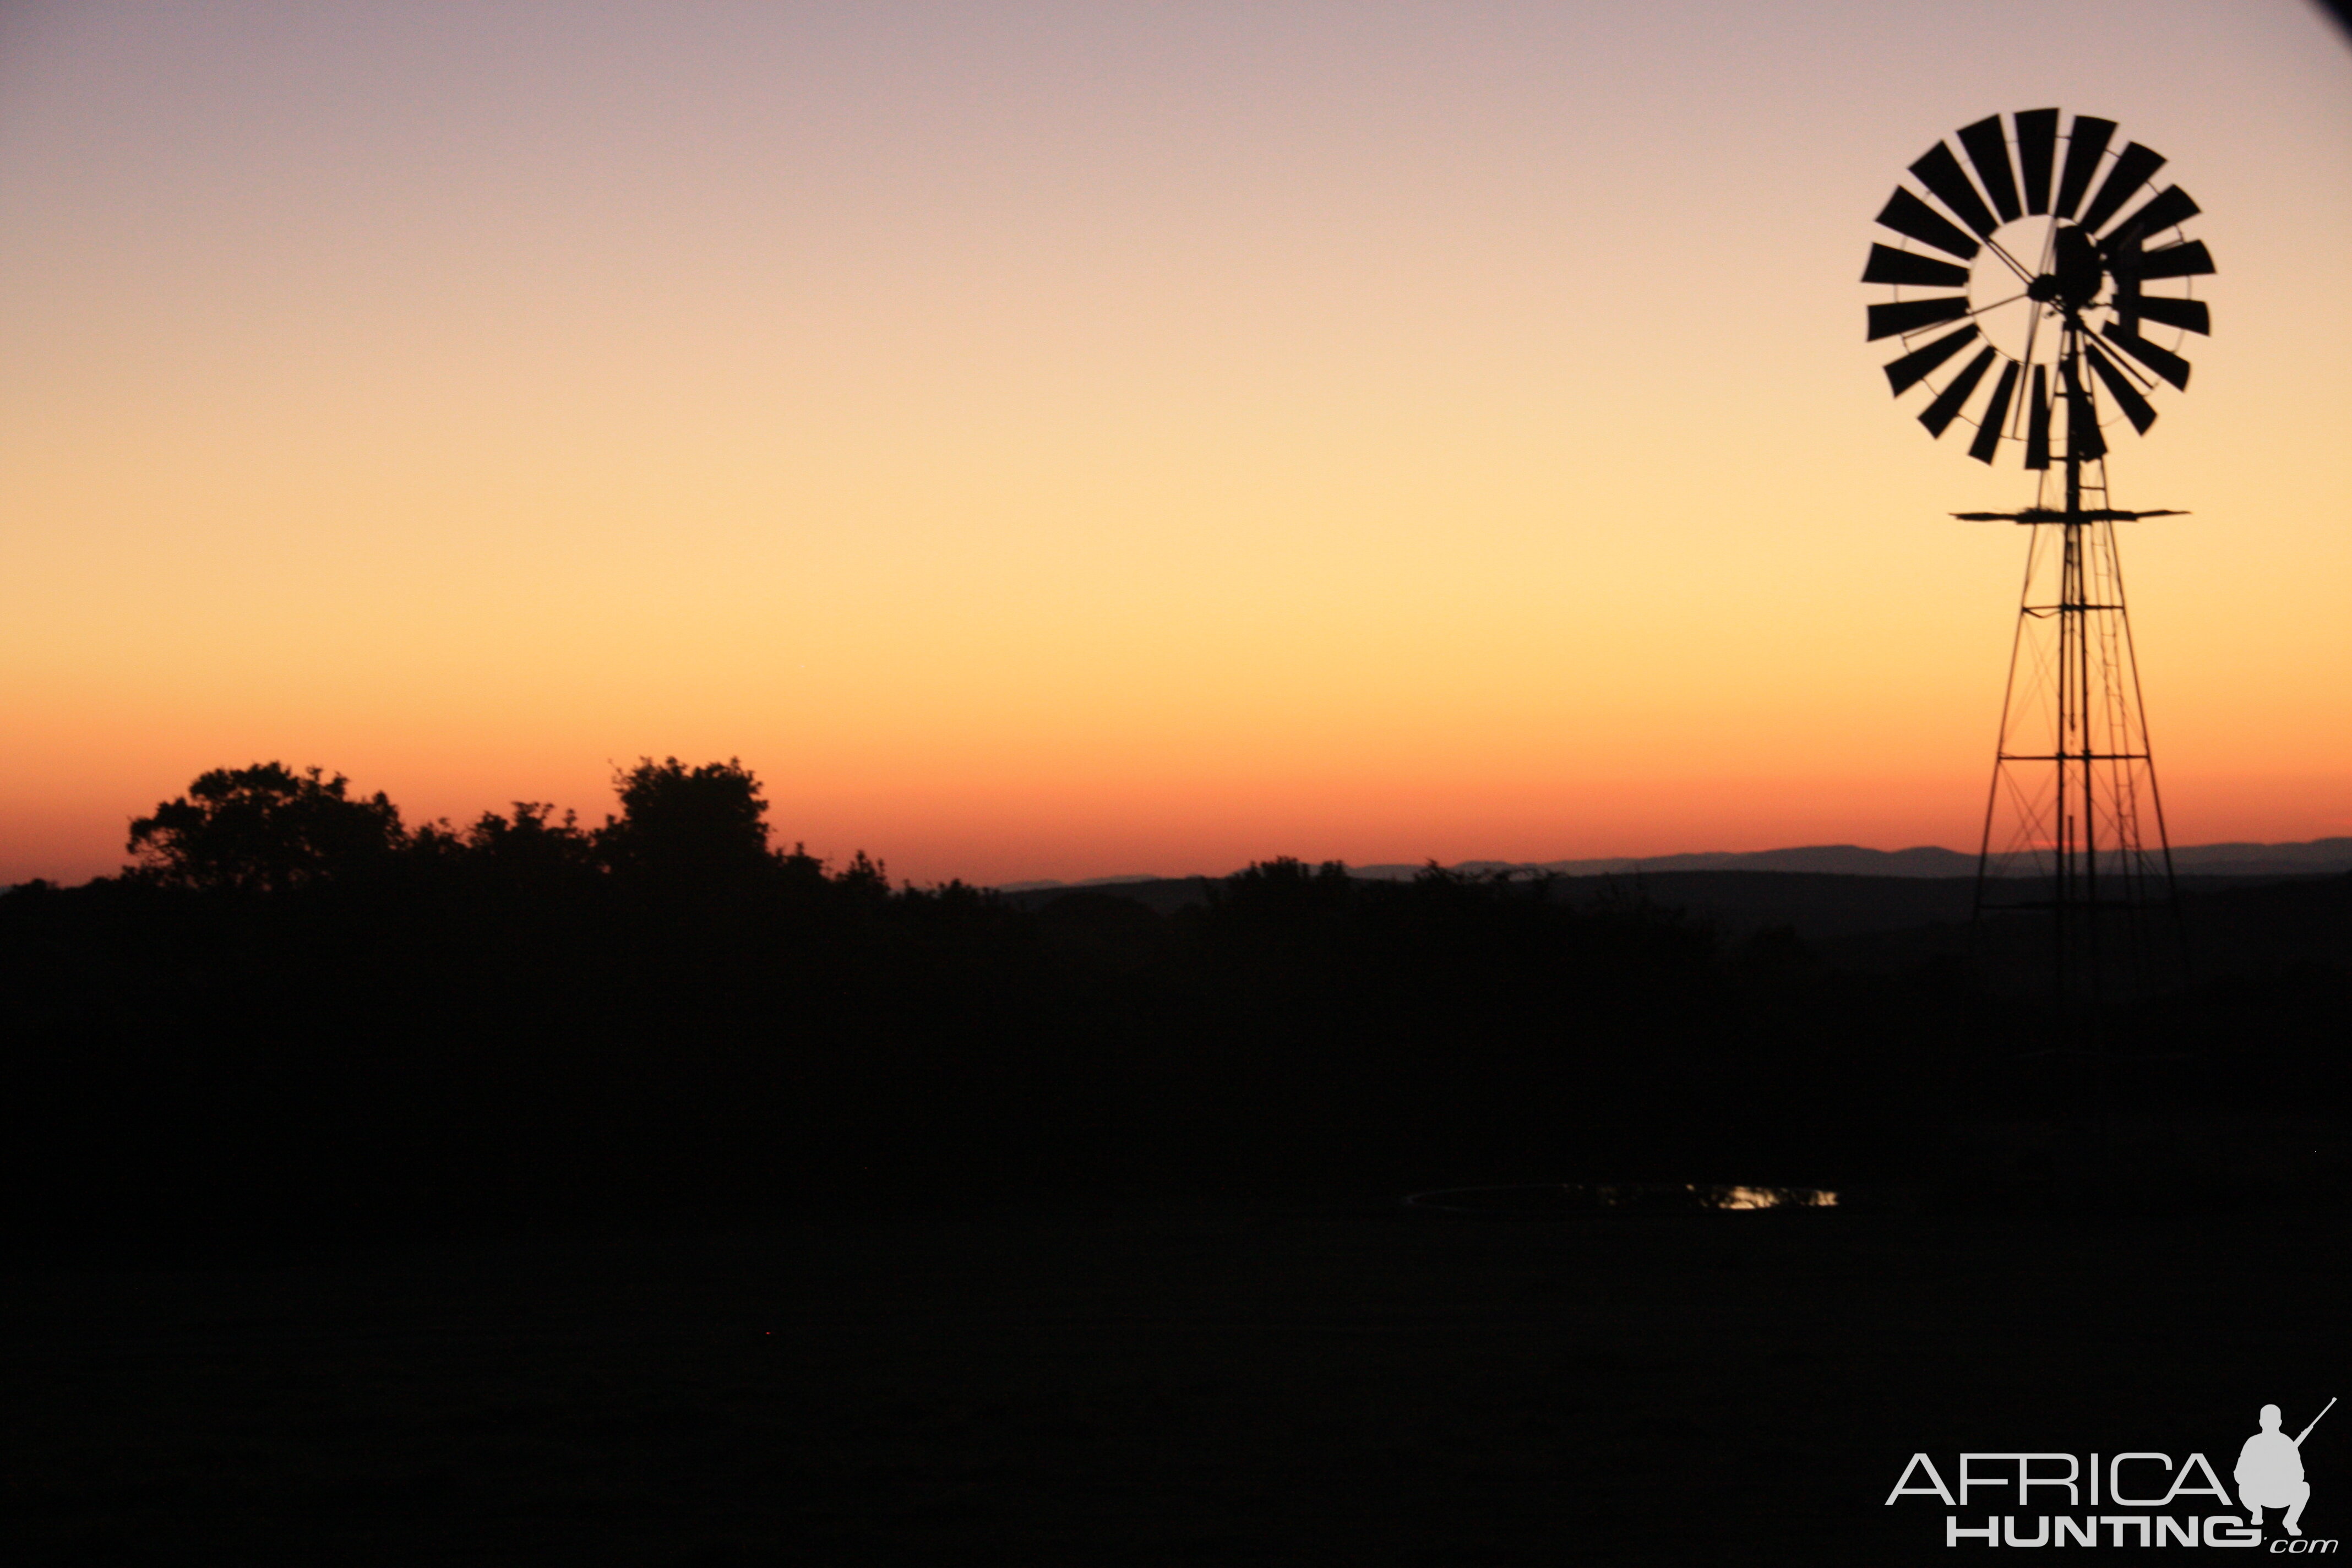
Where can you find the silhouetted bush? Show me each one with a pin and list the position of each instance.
(264, 828)
(696, 829)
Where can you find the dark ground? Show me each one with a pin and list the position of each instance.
(1275, 1382)
(473, 1221)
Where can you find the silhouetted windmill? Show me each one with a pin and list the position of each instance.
(2030, 257)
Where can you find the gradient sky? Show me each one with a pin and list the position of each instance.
(1053, 441)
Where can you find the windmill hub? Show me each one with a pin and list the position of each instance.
(2073, 273)
(2032, 277)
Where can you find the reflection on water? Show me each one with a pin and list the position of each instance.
(1550, 1201)
(1777, 1198)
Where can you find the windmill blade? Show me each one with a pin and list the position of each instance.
(1904, 316)
(2169, 209)
(2132, 171)
(2085, 145)
(2190, 315)
(1907, 214)
(2136, 408)
(1996, 415)
(1905, 372)
(2163, 362)
(1939, 414)
(1987, 151)
(2190, 259)
(1888, 265)
(1941, 173)
(2082, 437)
(2037, 422)
(2088, 440)
(2037, 149)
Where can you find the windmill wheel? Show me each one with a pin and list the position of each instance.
(2022, 272)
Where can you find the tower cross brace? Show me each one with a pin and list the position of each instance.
(2073, 792)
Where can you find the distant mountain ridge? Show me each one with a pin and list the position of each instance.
(2319, 856)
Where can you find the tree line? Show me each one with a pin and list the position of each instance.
(295, 1015)
(267, 828)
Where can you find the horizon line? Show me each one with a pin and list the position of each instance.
(2322, 854)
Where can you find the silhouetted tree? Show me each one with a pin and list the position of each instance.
(264, 828)
(532, 846)
(1284, 885)
(863, 880)
(681, 825)
(802, 870)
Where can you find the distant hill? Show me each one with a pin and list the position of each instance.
(1833, 860)
(2320, 857)
(1837, 894)
(1048, 882)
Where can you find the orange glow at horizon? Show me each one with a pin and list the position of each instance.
(1047, 442)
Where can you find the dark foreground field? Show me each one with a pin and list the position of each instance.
(1277, 1382)
(536, 1196)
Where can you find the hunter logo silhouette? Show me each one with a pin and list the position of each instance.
(2140, 1497)
(2270, 1471)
